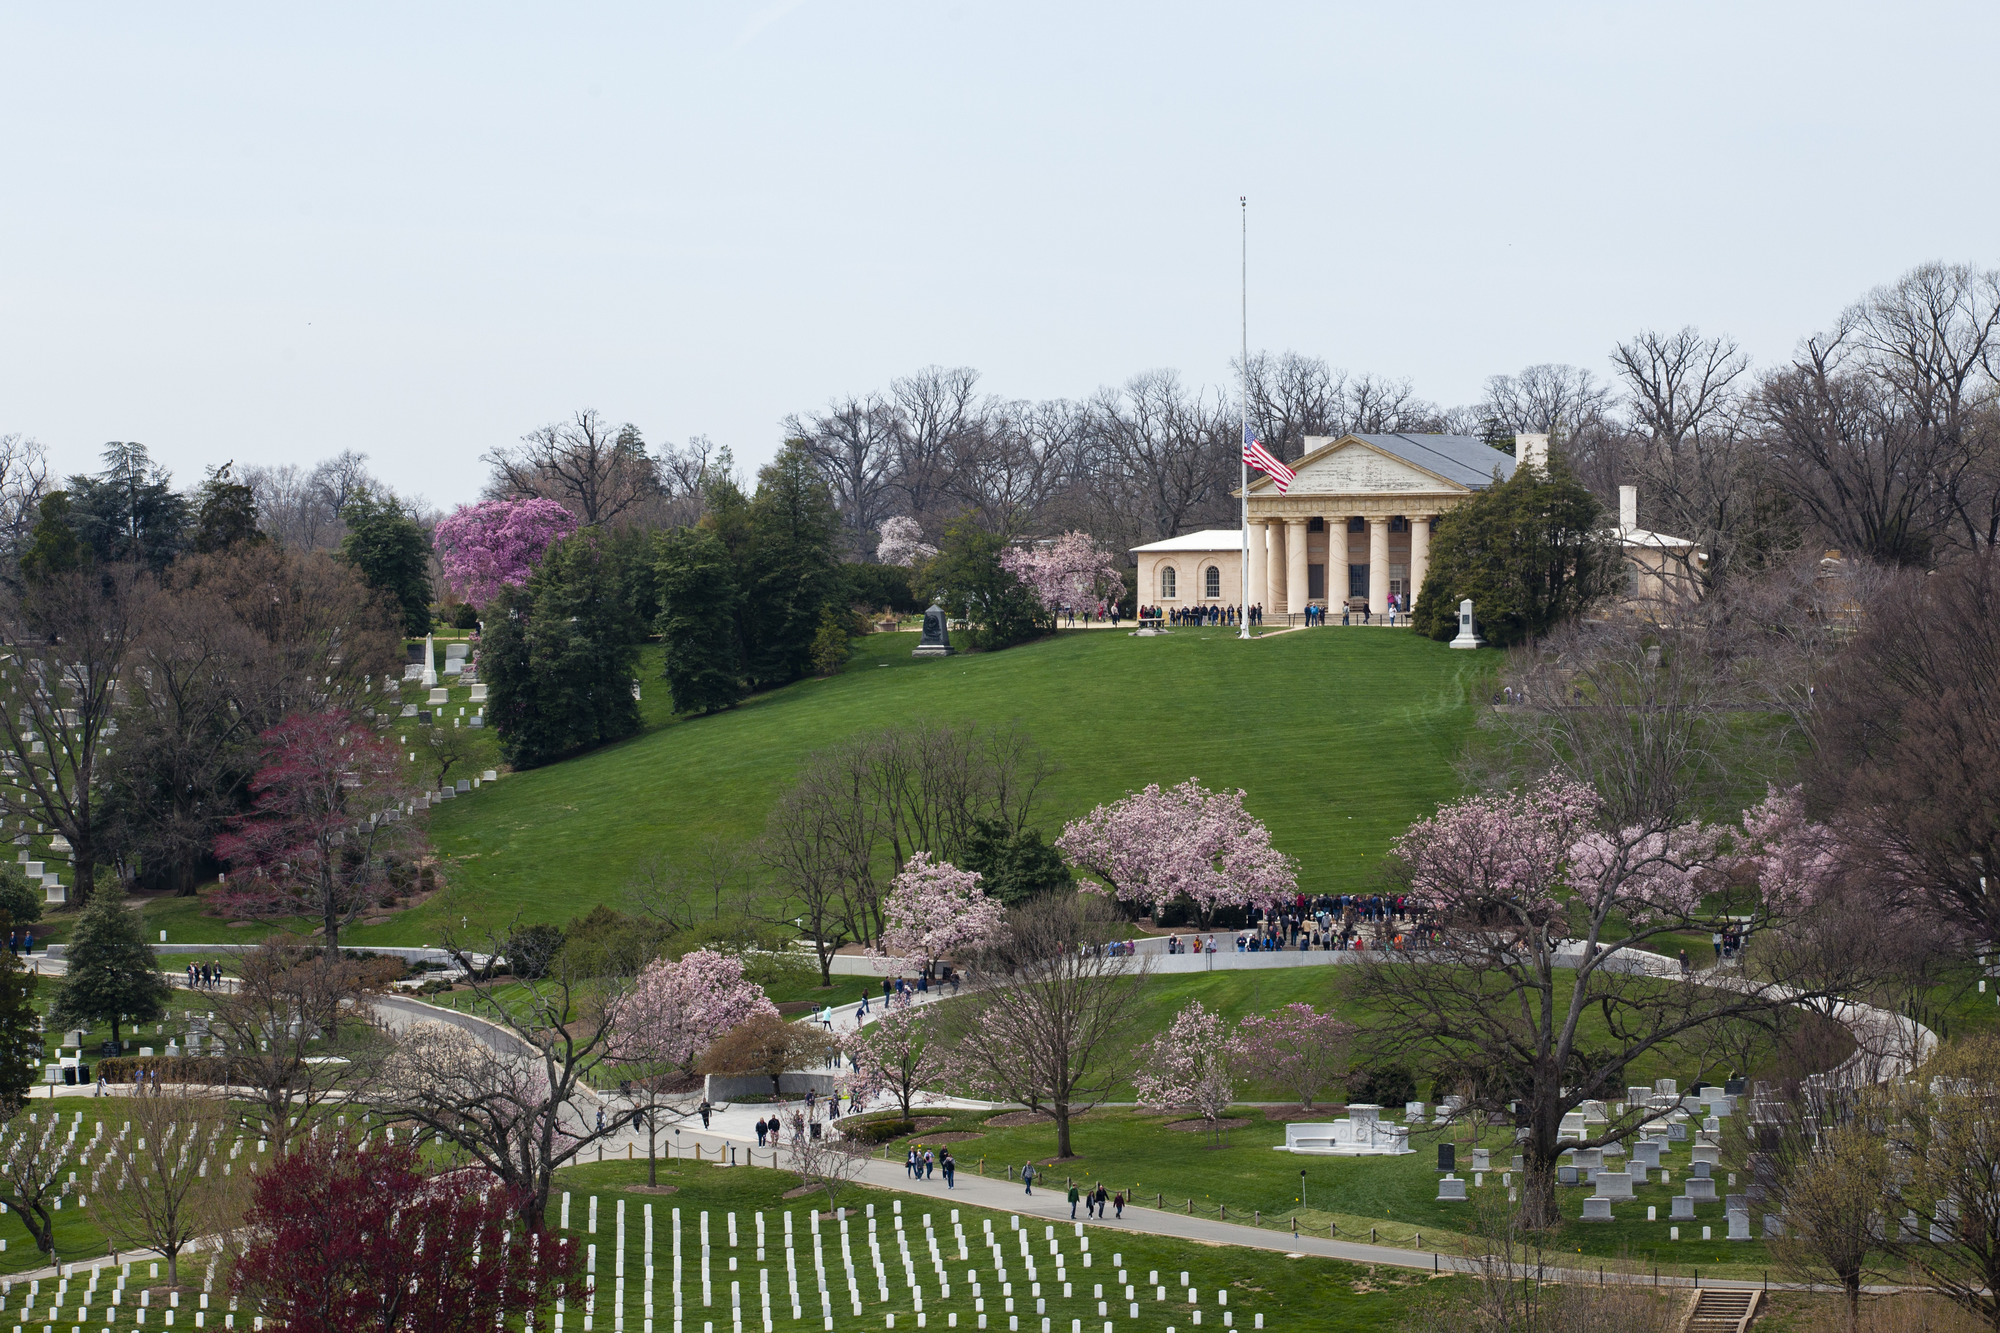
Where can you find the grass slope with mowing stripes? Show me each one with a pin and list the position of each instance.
(1340, 737)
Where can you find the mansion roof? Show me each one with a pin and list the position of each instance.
(1389, 464)
(1208, 539)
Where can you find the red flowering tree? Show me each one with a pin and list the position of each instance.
(1155, 846)
(1297, 1046)
(1067, 572)
(325, 824)
(343, 1236)
(1190, 1067)
(935, 910)
(674, 1011)
(486, 547)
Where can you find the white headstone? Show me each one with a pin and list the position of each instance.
(1598, 1209)
(430, 676)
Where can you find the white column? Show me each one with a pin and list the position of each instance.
(1274, 588)
(1420, 553)
(1296, 586)
(1336, 567)
(1259, 571)
(1378, 568)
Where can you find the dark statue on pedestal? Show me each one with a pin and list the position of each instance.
(936, 641)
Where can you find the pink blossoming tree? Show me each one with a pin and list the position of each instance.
(1297, 1046)
(935, 910)
(893, 1055)
(1189, 1067)
(1155, 846)
(496, 544)
(1069, 571)
(1794, 860)
(674, 1010)
(900, 541)
(1540, 909)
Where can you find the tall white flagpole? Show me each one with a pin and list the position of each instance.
(1242, 463)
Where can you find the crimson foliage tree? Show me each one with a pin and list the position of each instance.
(325, 829)
(343, 1237)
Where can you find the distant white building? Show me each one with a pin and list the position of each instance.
(1354, 527)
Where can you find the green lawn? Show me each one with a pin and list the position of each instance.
(1392, 1200)
(1340, 739)
(1291, 1294)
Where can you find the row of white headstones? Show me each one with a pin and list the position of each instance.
(829, 1292)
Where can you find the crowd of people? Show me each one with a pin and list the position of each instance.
(1396, 610)
(1330, 921)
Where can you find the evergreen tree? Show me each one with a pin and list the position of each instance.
(225, 513)
(560, 653)
(792, 573)
(389, 550)
(698, 628)
(19, 901)
(129, 512)
(112, 975)
(20, 1035)
(966, 578)
(1015, 866)
(1530, 552)
(54, 547)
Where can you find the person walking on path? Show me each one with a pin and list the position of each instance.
(705, 1110)
(910, 1163)
(1118, 1202)
(1686, 967)
(1072, 1201)
(949, 1165)
(1028, 1178)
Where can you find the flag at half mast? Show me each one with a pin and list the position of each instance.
(1257, 456)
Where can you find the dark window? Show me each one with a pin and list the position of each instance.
(1316, 582)
(1212, 582)
(1357, 525)
(1315, 525)
(1357, 580)
(1399, 525)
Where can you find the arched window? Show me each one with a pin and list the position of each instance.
(1212, 582)
(1167, 593)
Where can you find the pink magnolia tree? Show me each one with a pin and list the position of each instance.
(895, 1055)
(496, 544)
(1069, 571)
(674, 1010)
(1543, 909)
(1297, 1046)
(1189, 1067)
(900, 541)
(935, 910)
(1157, 845)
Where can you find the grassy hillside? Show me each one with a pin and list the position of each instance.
(1340, 740)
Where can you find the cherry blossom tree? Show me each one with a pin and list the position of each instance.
(674, 1010)
(902, 542)
(1297, 1046)
(935, 910)
(1792, 859)
(1155, 846)
(1540, 907)
(1069, 571)
(1190, 1067)
(894, 1054)
(496, 544)
(325, 824)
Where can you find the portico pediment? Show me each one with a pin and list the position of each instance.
(1352, 466)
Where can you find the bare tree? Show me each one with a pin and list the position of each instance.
(830, 1162)
(71, 635)
(935, 408)
(817, 846)
(33, 1154)
(1943, 1215)
(1049, 1022)
(300, 508)
(596, 470)
(517, 1098)
(296, 1033)
(1174, 452)
(855, 442)
(172, 1180)
(24, 479)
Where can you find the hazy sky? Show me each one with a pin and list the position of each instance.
(270, 232)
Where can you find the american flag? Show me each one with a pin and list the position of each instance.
(1257, 456)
